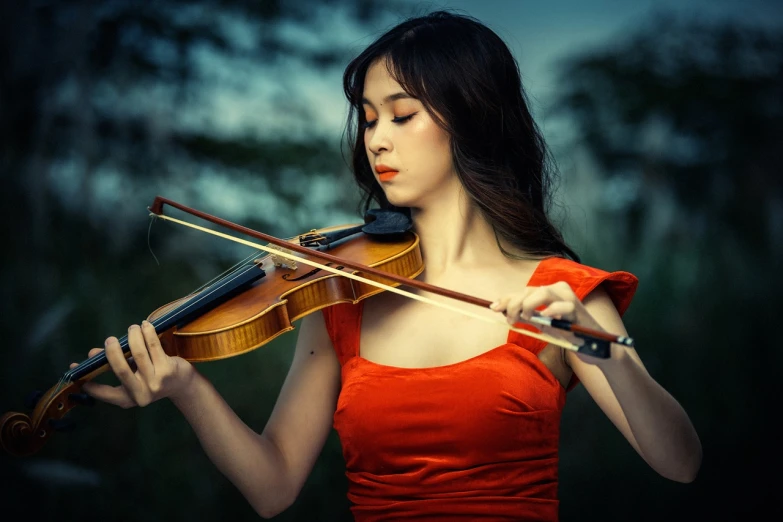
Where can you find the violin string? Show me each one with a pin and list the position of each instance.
(238, 272)
(198, 297)
(57, 388)
(153, 217)
(236, 266)
(184, 307)
(226, 272)
(68, 375)
(225, 280)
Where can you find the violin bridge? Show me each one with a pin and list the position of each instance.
(280, 261)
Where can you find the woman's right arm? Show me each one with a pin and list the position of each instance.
(269, 468)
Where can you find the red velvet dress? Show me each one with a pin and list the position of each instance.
(473, 440)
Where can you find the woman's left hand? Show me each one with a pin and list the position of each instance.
(558, 301)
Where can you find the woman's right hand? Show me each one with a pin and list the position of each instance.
(157, 375)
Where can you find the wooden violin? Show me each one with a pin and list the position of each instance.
(239, 312)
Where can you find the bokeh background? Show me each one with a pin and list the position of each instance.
(664, 118)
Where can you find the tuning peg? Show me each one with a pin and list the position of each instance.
(62, 424)
(32, 399)
(82, 398)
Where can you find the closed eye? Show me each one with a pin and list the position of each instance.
(398, 119)
(403, 119)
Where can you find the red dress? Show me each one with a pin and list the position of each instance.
(473, 440)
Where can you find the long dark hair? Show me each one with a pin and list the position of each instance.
(461, 70)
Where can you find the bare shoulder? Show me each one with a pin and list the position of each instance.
(601, 307)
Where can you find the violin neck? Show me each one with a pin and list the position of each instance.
(210, 297)
(206, 299)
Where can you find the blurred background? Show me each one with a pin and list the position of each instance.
(664, 118)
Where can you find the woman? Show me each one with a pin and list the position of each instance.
(445, 416)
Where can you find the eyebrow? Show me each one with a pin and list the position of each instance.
(389, 98)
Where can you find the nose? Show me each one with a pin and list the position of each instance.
(377, 139)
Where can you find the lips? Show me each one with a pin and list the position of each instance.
(385, 173)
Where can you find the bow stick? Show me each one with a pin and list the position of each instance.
(596, 342)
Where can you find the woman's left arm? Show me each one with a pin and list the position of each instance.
(645, 413)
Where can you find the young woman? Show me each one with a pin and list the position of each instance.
(439, 415)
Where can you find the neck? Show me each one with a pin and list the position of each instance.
(455, 235)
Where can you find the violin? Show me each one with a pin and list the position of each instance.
(257, 301)
(261, 297)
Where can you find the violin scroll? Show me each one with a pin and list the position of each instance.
(22, 435)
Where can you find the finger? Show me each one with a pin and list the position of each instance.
(563, 290)
(561, 310)
(502, 305)
(138, 348)
(505, 304)
(157, 355)
(121, 368)
(514, 307)
(499, 305)
(542, 297)
(116, 395)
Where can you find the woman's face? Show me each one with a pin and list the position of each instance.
(408, 152)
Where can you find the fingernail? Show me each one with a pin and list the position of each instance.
(493, 305)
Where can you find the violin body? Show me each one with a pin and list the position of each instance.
(267, 309)
(247, 319)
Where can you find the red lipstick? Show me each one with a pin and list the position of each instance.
(385, 173)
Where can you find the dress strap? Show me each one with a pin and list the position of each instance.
(344, 325)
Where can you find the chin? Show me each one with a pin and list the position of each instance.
(400, 199)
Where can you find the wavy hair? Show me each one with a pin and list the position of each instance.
(461, 70)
